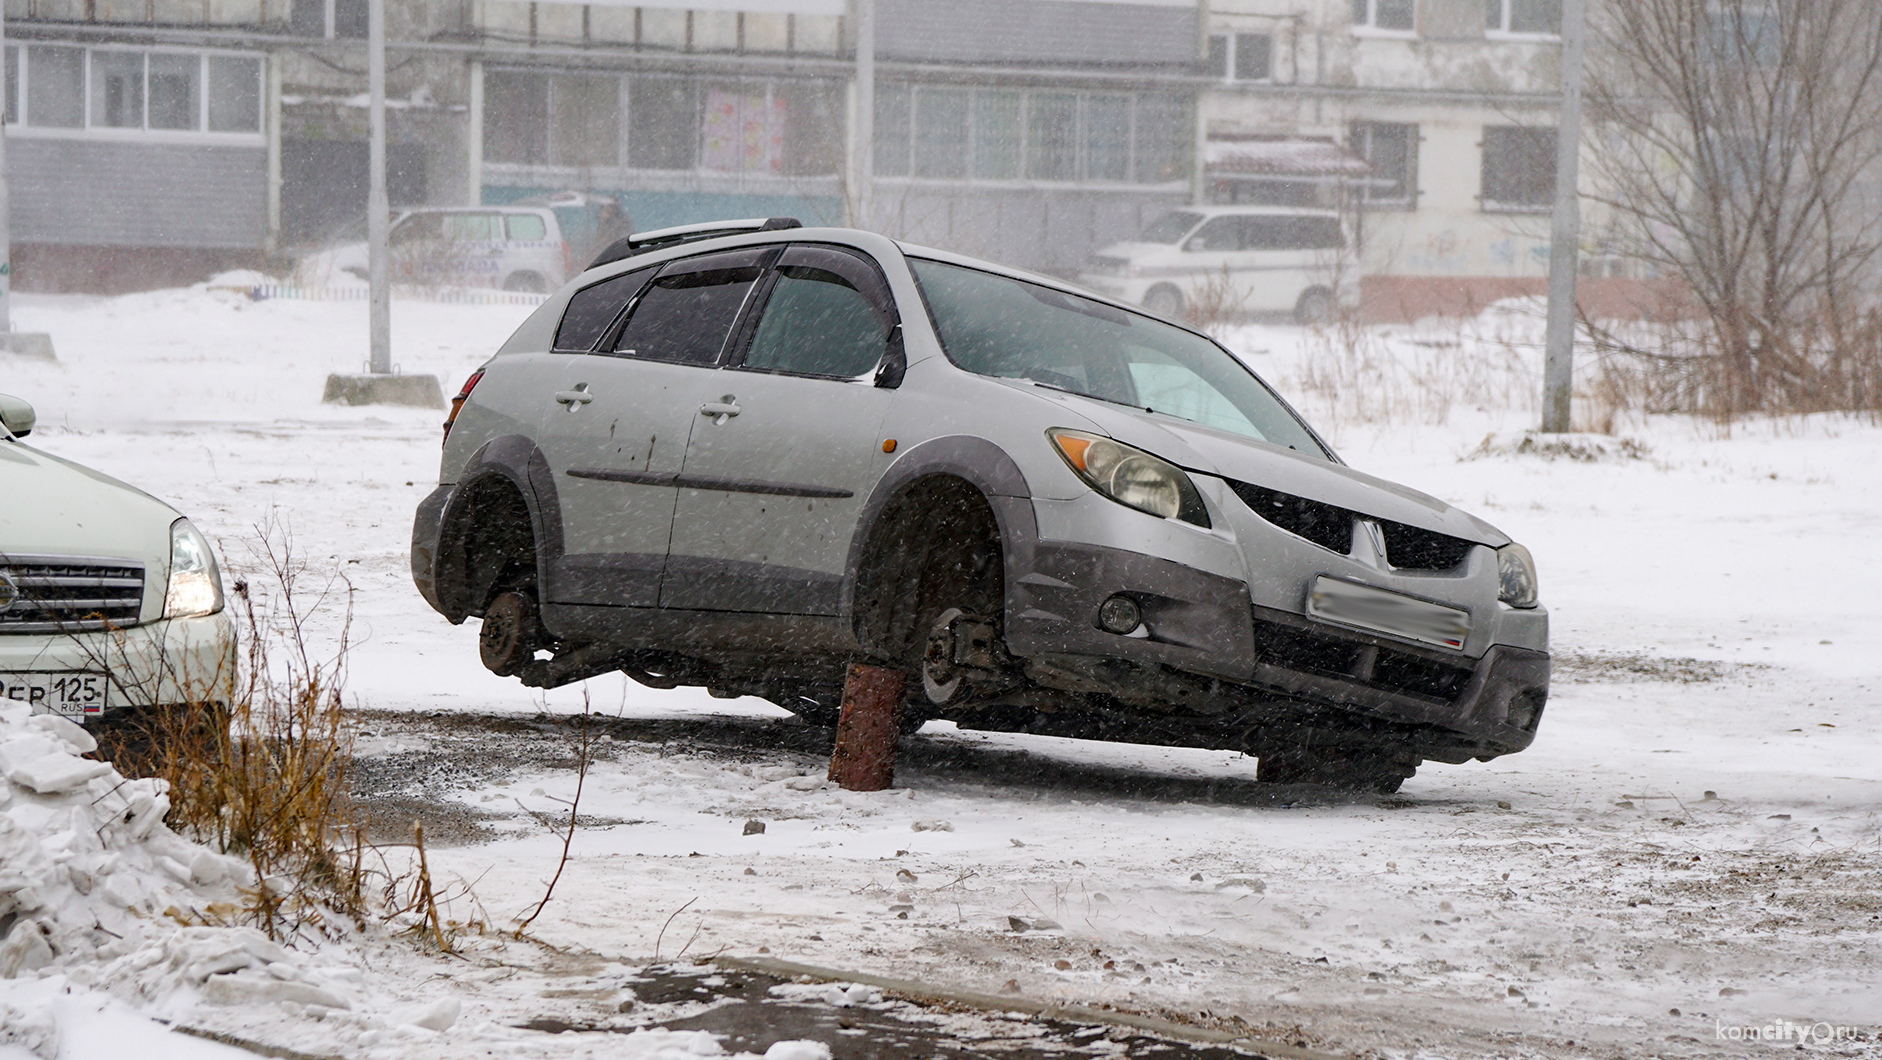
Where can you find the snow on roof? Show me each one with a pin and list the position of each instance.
(1278, 157)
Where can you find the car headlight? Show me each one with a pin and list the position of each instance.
(1516, 576)
(195, 583)
(1131, 476)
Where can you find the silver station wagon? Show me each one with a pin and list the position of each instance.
(745, 455)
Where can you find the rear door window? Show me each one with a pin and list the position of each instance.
(828, 314)
(525, 227)
(687, 313)
(594, 308)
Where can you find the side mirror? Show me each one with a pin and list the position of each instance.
(894, 361)
(17, 415)
(1195, 245)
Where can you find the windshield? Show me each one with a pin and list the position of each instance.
(1170, 227)
(998, 326)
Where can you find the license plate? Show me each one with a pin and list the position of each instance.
(1381, 611)
(75, 694)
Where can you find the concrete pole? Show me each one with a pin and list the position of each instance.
(6, 217)
(377, 206)
(474, 138)
(865, 124)
(1198, 171)
(1565, 233)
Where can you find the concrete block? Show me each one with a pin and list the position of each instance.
(34, 344)
(418, 391)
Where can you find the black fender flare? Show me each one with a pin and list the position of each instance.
(981, 464)
(517, 460)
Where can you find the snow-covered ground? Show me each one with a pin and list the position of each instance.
(1691, 848)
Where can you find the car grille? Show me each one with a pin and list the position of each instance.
(1331, 527)
(1100, 265)
(60, 594)
(1385, 669)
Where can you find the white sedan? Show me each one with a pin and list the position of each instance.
(110, 601)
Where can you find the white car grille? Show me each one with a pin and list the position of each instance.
(68, 594)
(1100, 265)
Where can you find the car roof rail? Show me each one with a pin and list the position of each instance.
(642, 242)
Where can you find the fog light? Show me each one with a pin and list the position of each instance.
(1120, 615)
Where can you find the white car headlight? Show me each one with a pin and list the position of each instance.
(1131, 476)
(195, 583)
(1516, 576)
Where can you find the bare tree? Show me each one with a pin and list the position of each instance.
(1737, 144)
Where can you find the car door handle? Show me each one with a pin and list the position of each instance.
(721, 410)
(572, 398)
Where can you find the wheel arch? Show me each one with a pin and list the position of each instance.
(509, 464)
(981, 466)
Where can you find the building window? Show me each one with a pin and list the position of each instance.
(587, 121)
(662, 123)
(1241, 56)
(234, 94)
(1392, 151)
(1539, 17)
(1395, 15)
(591, 120)
(55, 87)
(1518, 168)
(948, 133)
(117, 90)
(175, 91)
(516, 110)
(133, 90)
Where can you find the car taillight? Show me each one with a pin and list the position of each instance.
(457, 402)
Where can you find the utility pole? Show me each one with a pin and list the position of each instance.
(1198, 171)
(377, 205)
(30, 344)
(379, 386)
(1558, 363)
(864, 167)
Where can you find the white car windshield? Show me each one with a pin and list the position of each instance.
(998, 326)
(1169, 228)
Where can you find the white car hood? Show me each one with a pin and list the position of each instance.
(54, 507)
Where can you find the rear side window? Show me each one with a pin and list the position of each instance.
(472, 226)
(525, 226)
(684, 318)
(1281, 232)
(815, 323)
(592, 309)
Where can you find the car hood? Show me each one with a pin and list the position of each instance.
(53, 507)
(1231, 456)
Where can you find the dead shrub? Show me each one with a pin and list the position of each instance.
(264, 776)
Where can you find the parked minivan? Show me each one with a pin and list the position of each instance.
(1240, 259)
(516, 248)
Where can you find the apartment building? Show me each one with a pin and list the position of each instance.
(1432, 122)
(152, 140)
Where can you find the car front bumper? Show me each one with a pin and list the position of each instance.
(171, 662)
(1225, 639)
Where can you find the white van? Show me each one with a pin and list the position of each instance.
(516, 248)
(1240, 259)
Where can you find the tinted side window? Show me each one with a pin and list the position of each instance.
(815, 323)
(1291, 233)
(592, 309)
(525, 226)
(1221, 233)
(685, 318)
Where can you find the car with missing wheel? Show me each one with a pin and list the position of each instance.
(111, 606)
(746, 455)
